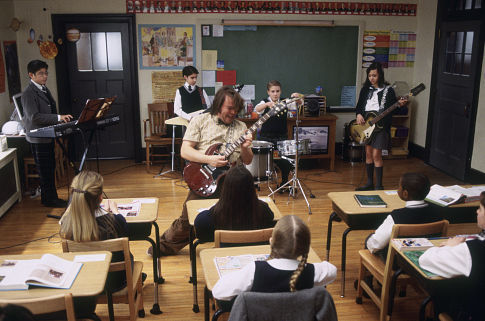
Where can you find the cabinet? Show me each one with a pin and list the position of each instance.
(400, 130)
(9, 176)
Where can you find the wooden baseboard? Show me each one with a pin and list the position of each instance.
(475, 177)
(417, 151)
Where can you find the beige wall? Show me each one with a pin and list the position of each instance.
(31, 11)
(478, 156)
(6, 15)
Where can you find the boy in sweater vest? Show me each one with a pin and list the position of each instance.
(190, 98)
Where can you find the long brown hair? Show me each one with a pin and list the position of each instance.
(79, 222)
(220, 98)
(237, 208)
(291, 239)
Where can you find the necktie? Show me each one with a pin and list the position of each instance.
(44, 89)
(190, 88)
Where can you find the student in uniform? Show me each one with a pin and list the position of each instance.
(238, 207)
(459, 257)
(190, 97)
(286, 270)
(275, 128)
(376, 95)
(413, 188)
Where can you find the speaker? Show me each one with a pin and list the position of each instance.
(314, 105)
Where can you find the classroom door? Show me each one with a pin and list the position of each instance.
(101, 64)
(455, 100)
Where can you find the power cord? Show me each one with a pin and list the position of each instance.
(38, 239)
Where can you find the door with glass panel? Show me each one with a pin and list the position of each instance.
(101, 63)
(455, 95)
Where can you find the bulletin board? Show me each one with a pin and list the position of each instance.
(301, 58)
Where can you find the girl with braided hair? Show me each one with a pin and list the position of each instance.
(286, 270)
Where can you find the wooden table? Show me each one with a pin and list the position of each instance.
(328, 120)
(346, 209)
(210, 270)
(193, 208)
(89, 282)
(140, 228)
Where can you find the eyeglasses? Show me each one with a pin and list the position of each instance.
(41, 73)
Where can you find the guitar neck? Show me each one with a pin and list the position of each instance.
(386, 112)
(251, 130)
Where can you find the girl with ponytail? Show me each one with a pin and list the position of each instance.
(286, 270)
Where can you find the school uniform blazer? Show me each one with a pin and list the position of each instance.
(39, 111)
(390, 100)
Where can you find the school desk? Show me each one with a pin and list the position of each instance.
(193, 209)
(431, 284)
(89, 282)
(210, 270)
(346, 209)
(140, 228)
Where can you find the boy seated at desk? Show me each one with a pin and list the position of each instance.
(413, 188)
(459, 257)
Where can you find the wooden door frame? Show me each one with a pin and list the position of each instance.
(63, 90)
(441, 17)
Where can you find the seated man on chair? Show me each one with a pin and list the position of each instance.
(219, 126)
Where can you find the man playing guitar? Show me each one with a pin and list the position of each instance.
(218, 126)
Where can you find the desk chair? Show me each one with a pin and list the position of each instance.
(373, 265)
(132, 294)
(54, 303)
(226, 238)
(157, 135)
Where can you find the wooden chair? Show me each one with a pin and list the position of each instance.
(156, 135)
(132, 294)
(382, 272)
(54, 303)
(225, 238)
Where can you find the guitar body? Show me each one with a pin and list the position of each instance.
(203, 179)
(361, 134)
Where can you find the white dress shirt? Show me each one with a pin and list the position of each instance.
(234, 283)
(373, 103)
(447, 261)
(42, 89)
(177, 104)
(381, 237)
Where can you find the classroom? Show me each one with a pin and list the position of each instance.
(431, 50)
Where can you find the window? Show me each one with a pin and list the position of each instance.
(459, 52)
(99, 51)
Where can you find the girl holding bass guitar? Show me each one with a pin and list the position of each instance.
(376, 96)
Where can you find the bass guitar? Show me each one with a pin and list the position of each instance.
(363, 133)
(203, 179)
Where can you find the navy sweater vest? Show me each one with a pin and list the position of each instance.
(268, 279)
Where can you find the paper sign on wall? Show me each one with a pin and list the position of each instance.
(227, 77)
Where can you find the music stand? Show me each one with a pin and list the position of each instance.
(176, 121)
(295, 181)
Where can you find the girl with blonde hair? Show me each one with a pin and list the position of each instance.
(286, 270)
(85, 220)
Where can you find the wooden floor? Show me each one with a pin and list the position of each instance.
(26, 224)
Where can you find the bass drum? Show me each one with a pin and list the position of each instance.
(262, 165)
(288, 147)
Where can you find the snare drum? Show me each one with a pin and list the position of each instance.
(288, 147)
(262, 165)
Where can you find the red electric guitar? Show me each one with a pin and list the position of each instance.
(203, 179)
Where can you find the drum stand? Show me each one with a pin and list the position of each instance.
(295, 181)
(177, 121)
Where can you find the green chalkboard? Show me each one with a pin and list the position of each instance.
(301, 58)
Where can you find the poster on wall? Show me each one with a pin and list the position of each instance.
(165, 83)
(376, 48)
(166, 46)
(402, 49)
(12, 66)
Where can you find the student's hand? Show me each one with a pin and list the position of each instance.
(360, 119)
(112, 207)
(297, 95)
(402, 101)
(455, 241)
(248, 139)
(216, 160)
(66, 118)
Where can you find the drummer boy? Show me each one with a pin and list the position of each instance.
(275, 129)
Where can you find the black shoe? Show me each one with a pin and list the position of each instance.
(143, 277)
(366, 187)
(58, 203)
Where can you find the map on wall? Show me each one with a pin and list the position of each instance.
(166, 46)
(402, 48)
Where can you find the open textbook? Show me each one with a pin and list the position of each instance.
(227, 264)
(48, 271)
(445, 196)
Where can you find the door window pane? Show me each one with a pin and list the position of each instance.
(458, 64)
(478, 4)
(451, 42)
(469, 42)
(83, 51)
(99, 51)
(115, 59)
(467, 64)
(459, 41)
(468, 4)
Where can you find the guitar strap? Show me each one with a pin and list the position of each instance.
(383, 100)
(204, 104)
